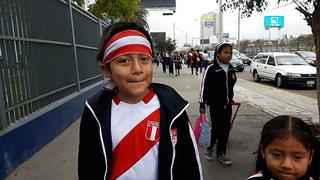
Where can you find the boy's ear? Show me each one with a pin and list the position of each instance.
(106, 70)
(311, 155)
(262, 152)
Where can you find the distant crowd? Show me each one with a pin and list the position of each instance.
(172, 63)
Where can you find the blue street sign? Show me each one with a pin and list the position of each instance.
(208, 24)
(273, 21)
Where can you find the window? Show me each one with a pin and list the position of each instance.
(271, 61)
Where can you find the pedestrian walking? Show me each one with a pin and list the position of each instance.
(163, 62)
(217, 93)
(177, 63)
(195, 61)
(171, 64)
(206, 59)
(138, 129)
(287, 151)
(158, 59)
(200, 61)
(189, 60)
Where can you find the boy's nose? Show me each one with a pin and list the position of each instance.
(136, 66)
(286, 163)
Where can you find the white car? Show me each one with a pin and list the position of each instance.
(283, 68)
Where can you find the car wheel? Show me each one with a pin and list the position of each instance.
(279, 81)
(255, 76)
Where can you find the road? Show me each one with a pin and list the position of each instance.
(301, 90)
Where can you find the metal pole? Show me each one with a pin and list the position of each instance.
(220, 21)
(186, 38)
(279, 39)
(174, 31)
(239, 29)
(74, 46)
(3, 118)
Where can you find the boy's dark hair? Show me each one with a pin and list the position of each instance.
(113, 29)
(219, 48)
(286, 126)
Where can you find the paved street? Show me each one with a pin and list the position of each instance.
(58, 160)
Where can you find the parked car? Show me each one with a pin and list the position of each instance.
(245, 59)
(237, 63)
(211, 54)
(283, 68)
(308, 56)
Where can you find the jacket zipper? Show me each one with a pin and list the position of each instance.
(227, 77)
(101, 139)
(174, 143)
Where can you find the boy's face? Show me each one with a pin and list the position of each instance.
(287, 158)
(225, 55)
(132, 74)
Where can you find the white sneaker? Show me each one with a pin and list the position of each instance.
(208, 155)
(223, 159)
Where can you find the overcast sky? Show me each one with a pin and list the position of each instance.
(188, 13)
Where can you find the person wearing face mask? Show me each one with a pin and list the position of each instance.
(217, 93)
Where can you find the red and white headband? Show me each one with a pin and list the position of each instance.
(124, 42)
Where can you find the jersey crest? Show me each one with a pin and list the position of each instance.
(153, 131)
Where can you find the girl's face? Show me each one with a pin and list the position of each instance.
(132, 74)
(225, 55)
(287, 158)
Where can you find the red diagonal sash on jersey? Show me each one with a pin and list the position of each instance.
(135, 145)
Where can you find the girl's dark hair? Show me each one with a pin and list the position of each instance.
(284, 127)
(113, 29)
(219, 48)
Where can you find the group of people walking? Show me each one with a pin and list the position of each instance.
(138, 129)
(172, 63)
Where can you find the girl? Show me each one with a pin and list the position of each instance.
(287, 151)
(217, 92)
(138, 129)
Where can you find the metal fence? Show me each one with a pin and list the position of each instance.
(47, 50)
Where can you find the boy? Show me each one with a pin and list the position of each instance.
(137, 130)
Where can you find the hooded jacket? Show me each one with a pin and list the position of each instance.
(178, 155)
(217, 86)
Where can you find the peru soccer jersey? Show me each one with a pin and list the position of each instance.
(135, 130)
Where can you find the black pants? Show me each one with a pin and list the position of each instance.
(194, 65)
(164, 67)
(220, 121)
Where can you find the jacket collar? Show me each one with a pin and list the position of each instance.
(217, 67)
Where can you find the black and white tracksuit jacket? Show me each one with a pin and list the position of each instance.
(216, 86)
(178, 156)
(266, 175)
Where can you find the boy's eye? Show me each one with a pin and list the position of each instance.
(145, 59)
(276, 154)
(123, 60)
(298, 157)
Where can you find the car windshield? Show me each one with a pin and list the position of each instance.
(307, 54)
(290, 60)
(243, 56)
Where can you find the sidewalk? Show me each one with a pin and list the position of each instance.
(58, 160)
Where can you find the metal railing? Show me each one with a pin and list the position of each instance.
(47, 51)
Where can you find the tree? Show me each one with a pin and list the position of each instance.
(243, 45)
(309, 8)
(120, 10)
(79, 2)
(165, 46)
